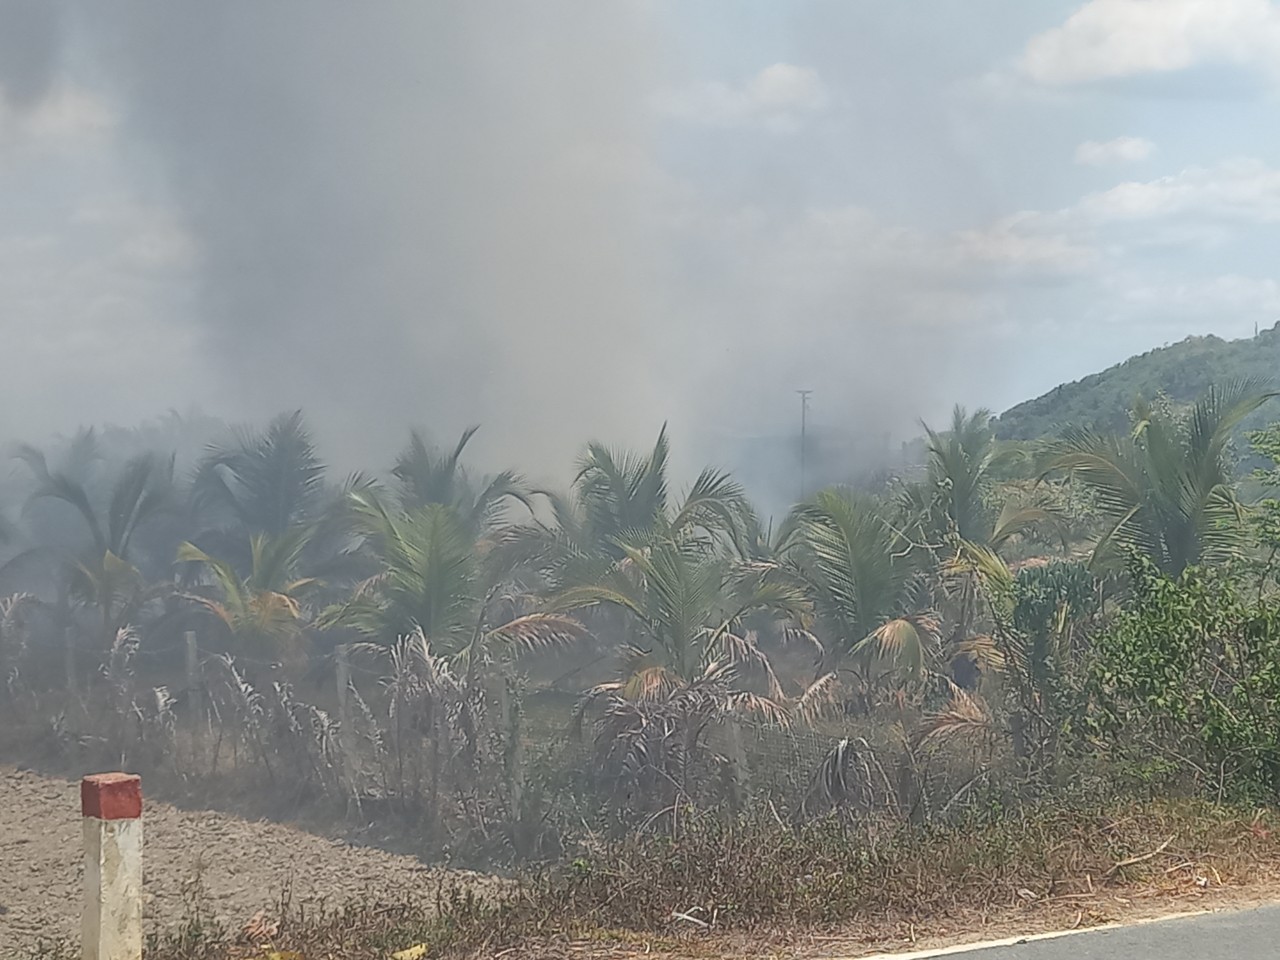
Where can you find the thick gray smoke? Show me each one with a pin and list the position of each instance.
(531, 215)
(404, 213)
(30, 43)
(572, 219)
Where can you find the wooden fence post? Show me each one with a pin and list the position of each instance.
(346, 725)
(195, 690)
(195, 684)
(111, 926)
(69, 658)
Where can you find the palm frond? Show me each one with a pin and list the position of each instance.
(906, 643)
(965, 716)
(820, 698)
(537, 632)
(650, 684)
(765, 709)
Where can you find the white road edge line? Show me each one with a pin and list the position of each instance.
(1017, 940)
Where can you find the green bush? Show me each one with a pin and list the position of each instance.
(1191, 671)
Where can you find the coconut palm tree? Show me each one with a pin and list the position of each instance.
(262, 613)
(434, 576)
(689, 605)
(101, 574)
(623, 498)
(1165, 488)
(263, 482)
(1035, 618)
(454, 607)
(622, 495)
(689, 662)
(869, 592)
(954, 501)
(137, 495)
(955, 507)
(960, 461)
(427, 476)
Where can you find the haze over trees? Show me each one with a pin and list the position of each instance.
(492, 668)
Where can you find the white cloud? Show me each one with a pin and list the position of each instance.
(1244, 300)
(787, 87)
(778, 98)
(1107, 39)
(1246, 190)
(1193, 213)
(1029, 242)
(1196, 207)
(1093, 153)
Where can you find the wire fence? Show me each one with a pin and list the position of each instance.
(360, 741)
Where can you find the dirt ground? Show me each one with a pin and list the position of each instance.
(241, 866)
(235, 867)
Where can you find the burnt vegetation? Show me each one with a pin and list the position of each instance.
(651, 701)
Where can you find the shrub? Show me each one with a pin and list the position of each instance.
(1191, 672)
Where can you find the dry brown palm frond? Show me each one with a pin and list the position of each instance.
(651, 684)
(834, 782)
(909, 642)
(797, 636)
(211, 605)
(719, 675)
(375, 651)
(650, 745)
(118, 670)
(767, 710)
(820, 699)
(14, 606)
(536, 632)
(369, 586)
(965, 716)
(744, 652)
(601, 691)
(632, 744)
(758, 566)
(985, 650)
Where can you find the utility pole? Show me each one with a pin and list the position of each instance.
(804, 422)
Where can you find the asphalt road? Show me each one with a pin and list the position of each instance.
(1242, 935)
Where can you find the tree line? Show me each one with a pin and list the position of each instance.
(977, 625)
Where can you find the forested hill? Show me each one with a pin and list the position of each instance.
(1182, 371)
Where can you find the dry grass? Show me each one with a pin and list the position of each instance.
(829, 889)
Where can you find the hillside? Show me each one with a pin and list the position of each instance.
(1182, 371)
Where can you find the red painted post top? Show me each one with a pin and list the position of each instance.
(111, 796)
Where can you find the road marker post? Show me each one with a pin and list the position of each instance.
(111, 926)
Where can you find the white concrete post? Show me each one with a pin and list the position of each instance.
(111, 927)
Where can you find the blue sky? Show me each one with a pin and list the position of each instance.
(1101, 173)
(574, 218)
